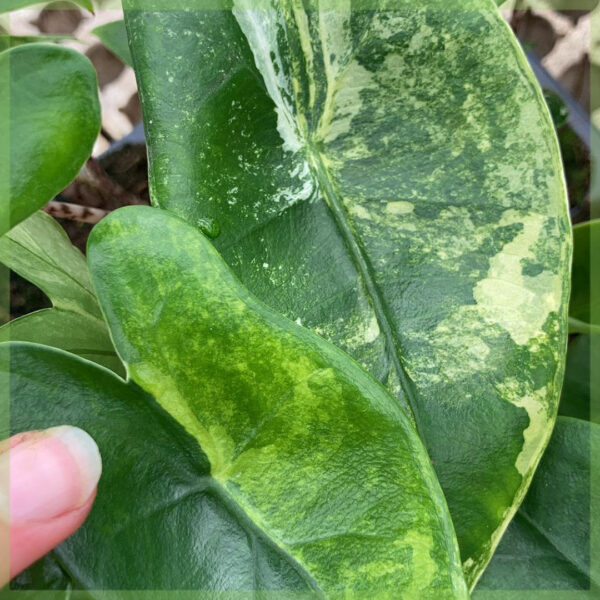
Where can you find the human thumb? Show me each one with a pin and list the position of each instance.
(48, 483)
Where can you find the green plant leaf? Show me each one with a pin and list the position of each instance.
(8, 5)
(390, 179)
(303, 444)
(547, 545)
(39, 250)
(584, 310)
(49, 121)
(114, 36)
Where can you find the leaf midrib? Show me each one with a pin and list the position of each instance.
(335, 205)
(364, 269)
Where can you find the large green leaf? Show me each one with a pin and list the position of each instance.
(584, 306)
(49, 121)
(289, 467)
(8, 5)
(391, 180)
(39, 250)
(547, 545)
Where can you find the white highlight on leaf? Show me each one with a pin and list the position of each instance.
(260, 25)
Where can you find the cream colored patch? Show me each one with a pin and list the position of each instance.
(336, 43)
(367, 332)
(399, 208)
(519, 304)
(419, 40)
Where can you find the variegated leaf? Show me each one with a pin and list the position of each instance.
(390, 179)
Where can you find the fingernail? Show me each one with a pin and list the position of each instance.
(51, 472)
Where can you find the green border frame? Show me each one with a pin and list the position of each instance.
(592, 593)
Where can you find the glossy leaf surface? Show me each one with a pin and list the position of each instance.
(547, 545)
(49, 121)
(584, 307)
(304, 445)
(391, 180)
(39, 250)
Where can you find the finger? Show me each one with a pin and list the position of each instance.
(52, 477)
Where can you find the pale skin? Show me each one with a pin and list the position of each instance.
(48, 483)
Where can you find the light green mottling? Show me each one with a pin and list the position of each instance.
(295, 432)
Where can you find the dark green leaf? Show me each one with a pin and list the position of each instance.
(8, 5)
(39, 250)
(584, 307)
(547, 545)
(114, 37)
(391, 180)
(49, 121)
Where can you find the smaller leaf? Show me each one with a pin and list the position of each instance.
(39, 250)
(114, 37)
(584, 307)
(8, 5)
(49, 121)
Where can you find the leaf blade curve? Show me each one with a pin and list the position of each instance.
(50, 108)
(391, 179)
(294, 431)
